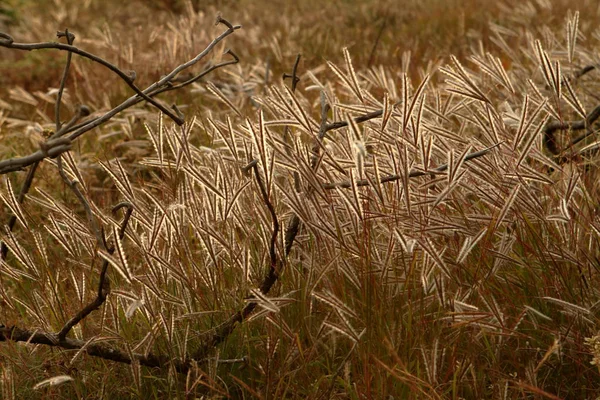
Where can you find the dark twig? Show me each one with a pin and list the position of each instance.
(552, 127)
(273, 272)
(54, 148)
(127, 77)
(200, 75)
(583, 71)
(17, 334)
(294, 74)
(412, 174)
(286, 130)
(101, 350)
(70, 38)
(103, 284)
(221, 332)
(578, 74)
(166, 88)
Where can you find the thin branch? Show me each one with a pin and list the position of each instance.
(221, 332)
(127, 77)
(168, 87)
(103, 284)
(103, 351)
(70, 38)
(13, 218)
(208, 70)
(286, 130)
(273, 273)
(583, 71)
(552, 127)
(412, 174)
(54, 148)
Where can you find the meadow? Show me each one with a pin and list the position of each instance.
(311, 200)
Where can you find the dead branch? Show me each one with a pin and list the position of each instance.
(103, 351)
(412, 174)
(53, 149)
(222, 332)
(104, 283)
(58, 144)
(127, 77)
(70, 39)
(552, 127)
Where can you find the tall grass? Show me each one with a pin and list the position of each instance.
(421, 268)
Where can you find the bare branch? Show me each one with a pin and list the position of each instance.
(200, 75)
(70, 38)
(552, 127)
(103, 351)
(55, 148)
(294, 74)
(104, 282)
(413, 173)
(13, 218)
(127, 77)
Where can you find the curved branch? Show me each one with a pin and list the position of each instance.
(103, 284)
(18, 163)
(128, 78)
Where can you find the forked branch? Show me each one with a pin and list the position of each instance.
(53, 149)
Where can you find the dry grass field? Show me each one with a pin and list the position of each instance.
(413, 213)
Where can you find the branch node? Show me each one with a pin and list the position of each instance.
(246, 168)
(54, 147)
(232, 54)
(221, 20)
(180, 115)
(131, 75)
(70, 37)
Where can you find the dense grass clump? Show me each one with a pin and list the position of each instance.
(395, 224)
